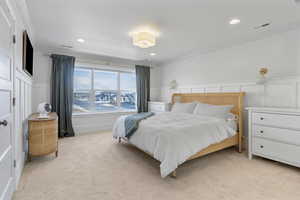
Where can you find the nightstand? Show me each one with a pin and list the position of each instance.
(43, 135)
(155, 106)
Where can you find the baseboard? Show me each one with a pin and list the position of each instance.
(8, 191)
(19, 169)
(80, 130)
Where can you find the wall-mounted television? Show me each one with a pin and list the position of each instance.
(27, 54)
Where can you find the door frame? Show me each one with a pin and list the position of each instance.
(13, 100)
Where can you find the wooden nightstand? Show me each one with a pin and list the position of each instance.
(43, 135)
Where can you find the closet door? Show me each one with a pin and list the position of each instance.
(6, 95)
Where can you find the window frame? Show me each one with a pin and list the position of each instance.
(92, 91)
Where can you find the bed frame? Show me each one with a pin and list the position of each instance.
(236, 99)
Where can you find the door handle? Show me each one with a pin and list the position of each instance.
(3, 123)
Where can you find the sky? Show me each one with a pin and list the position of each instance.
(103, 80)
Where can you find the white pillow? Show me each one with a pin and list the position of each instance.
(183, 107)
(220, 111)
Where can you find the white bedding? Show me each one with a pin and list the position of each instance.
(174, 137)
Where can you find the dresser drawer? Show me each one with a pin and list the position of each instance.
(278, 134)
(278, 151)
(157, 107)
(277, 120)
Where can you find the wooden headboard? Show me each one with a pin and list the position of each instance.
(235, 98)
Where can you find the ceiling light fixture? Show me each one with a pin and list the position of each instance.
(152, 54)
(80, 40)
(144, 37)
(234, 21)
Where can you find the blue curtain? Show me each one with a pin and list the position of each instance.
(142, 87)
(62, 92)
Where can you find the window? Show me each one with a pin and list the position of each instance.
(97, 90)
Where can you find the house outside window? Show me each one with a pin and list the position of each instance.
(102, 90)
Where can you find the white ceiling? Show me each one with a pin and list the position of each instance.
(185, 25)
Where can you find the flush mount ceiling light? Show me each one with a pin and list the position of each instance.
(80, 40)
(144, 37)
(234, 21)
(152, 54)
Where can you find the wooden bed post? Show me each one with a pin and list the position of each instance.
(240, 127)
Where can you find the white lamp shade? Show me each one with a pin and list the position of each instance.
(173, 84)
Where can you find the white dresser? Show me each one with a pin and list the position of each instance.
(274, 133)
(155, 106)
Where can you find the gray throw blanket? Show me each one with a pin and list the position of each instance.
(132, 122)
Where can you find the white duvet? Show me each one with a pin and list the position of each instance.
(174, 137)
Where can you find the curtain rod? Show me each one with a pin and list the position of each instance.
(102, 62)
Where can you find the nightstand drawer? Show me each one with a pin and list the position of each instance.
(278, 134)
(277, 120)
(157, 108)
(277, 151)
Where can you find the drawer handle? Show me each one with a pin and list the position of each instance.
(261, 131)
(261, 146)
(261, 118)
(3, 123)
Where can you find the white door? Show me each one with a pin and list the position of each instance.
(6, 95)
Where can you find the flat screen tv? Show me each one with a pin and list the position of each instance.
(27, 54)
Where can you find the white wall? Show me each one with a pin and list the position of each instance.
(236, 69)
(280, 53)
(41, 79)
(89, 122)
(22, 85)
(236, 65)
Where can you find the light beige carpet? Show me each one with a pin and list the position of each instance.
(95, 167)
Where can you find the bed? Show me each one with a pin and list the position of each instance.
(175, 138)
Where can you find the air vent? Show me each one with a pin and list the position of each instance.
(66, 46)
(262, 26)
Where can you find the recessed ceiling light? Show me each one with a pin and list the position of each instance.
(234, 21)
(80, 40)
(152, 54)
